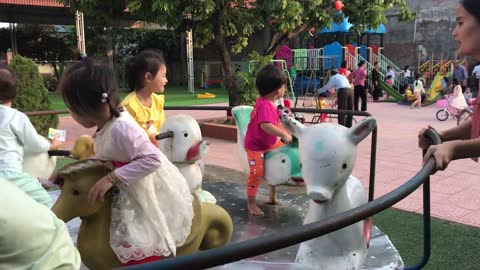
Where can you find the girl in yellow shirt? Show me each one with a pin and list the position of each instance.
(146, 75)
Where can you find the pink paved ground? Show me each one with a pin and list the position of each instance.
(455, 192)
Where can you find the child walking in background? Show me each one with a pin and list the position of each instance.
(17, 136)
(146, 75)
(263, 130)
(457, 101)
(153, 213)
(417, 91)
(389, 82)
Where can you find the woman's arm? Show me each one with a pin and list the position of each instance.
(460, 132)
(446, 152)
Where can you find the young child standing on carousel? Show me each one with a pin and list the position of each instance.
(263, 131)
(17, 135)
(146, 75)
(153, 213)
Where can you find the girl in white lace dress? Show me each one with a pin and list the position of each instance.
(153, 213)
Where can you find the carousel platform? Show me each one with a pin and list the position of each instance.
(227, 186)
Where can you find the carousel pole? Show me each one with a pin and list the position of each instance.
(80, 25)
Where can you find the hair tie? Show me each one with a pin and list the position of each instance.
(104, 97)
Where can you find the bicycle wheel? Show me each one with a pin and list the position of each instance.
(442, 115)
(463, 116)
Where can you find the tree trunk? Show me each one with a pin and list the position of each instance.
(224, 54)
(284, 39)
(55, 71)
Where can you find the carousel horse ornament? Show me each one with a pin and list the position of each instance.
(181, 141)
(211, 226)
(327, 154)
(84, 148)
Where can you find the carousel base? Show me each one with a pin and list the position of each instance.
(288, 213)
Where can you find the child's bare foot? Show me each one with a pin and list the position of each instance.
(253, 207)
(254, 210)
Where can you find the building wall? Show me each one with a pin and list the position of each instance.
(406, 44)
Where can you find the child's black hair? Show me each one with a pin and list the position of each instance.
(417, 78)
(8, 84)
(269, 79)
(455, 81)
(137, 66)
(389, 77)
(86, 85)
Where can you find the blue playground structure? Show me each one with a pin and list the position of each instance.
(309, 68)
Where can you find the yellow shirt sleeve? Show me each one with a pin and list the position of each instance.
(144, 116)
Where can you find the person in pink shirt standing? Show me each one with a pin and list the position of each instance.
(152, 214)
(263, 129)
(359, 91)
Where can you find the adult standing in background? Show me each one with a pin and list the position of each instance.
(407, 75)
(377, 91)
(460, 73)
(476, 76)
(359, 91)
(344, 96)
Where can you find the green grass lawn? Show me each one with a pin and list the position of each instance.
(174, 96)
(453, 246)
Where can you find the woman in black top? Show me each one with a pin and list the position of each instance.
(377, 91)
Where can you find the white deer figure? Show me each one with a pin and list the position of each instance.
(327, 156)
(181, 141)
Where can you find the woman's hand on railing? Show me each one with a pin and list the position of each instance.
(431, 143)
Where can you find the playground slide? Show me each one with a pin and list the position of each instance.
(392, 92)
(436, 87)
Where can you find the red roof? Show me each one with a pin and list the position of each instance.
(42, 3)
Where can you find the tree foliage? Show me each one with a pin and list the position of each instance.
(41, 43)
(32, 94)
(230, 23)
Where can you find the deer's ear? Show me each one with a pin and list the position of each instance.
(292, 125)
(362, 129)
